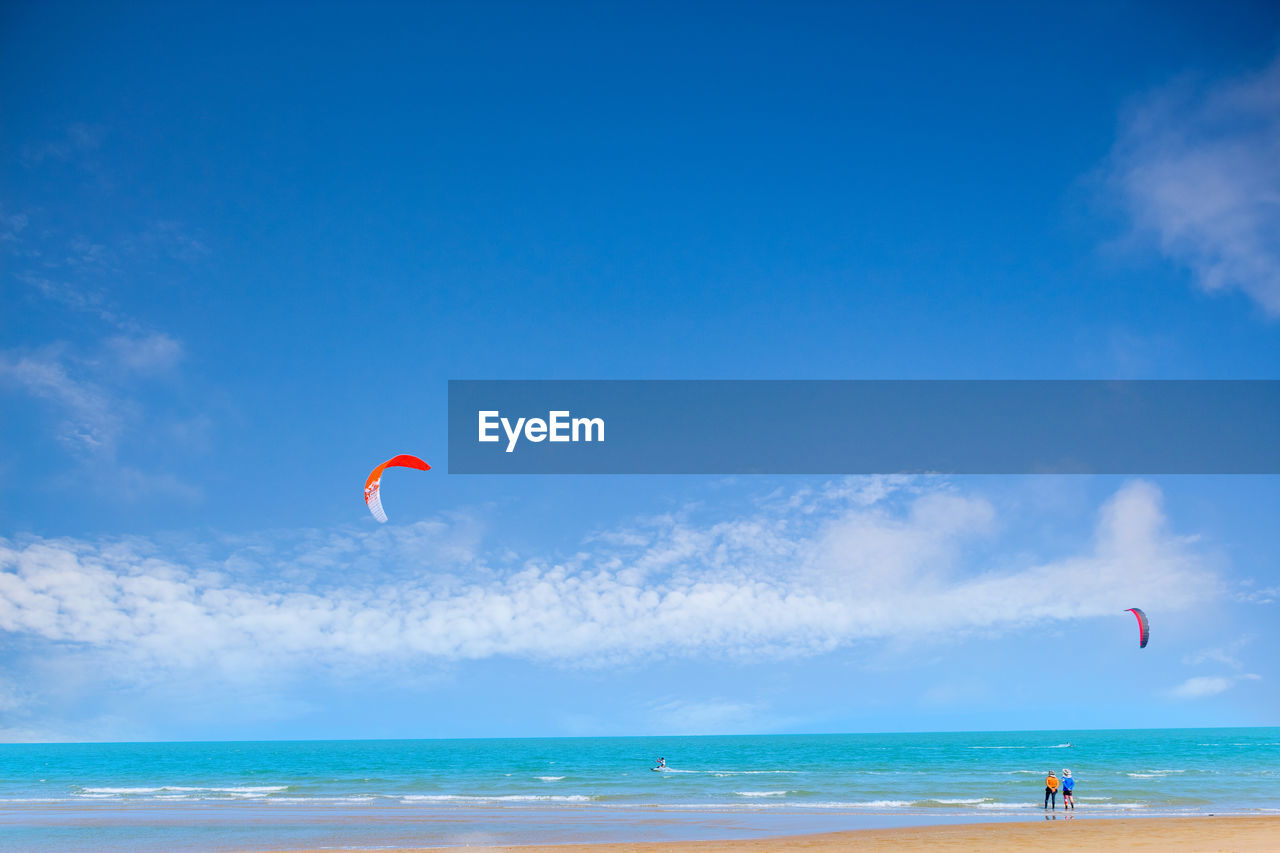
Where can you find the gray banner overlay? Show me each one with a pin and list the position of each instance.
(866, 427)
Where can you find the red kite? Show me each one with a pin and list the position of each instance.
(1144, 627)
(372, 497)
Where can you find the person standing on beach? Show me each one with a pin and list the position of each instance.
(1051, 791)
(1068, 790)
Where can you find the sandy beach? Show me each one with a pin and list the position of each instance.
(1186, 835)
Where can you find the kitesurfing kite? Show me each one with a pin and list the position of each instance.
(1144, 627)
(372, 492)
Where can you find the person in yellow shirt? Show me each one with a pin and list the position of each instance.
(1051, 791)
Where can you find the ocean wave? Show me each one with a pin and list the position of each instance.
(317, 800)
(1121, 806)
(722, 773)
(770, 802)
(497, 798)
(1008, 805)
(759, 805)
(246, 789)
(548, 778)
(1054, 746)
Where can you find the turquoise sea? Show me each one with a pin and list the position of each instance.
(353, 794)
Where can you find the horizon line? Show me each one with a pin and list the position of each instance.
(624, 737)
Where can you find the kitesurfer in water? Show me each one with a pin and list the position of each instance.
(1051, 791)
(662, 764)
(1068, 791)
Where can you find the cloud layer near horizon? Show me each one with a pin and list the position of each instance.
(798, 576)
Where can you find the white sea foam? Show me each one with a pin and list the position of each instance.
(548, 778)
(961, 802)
(252, 789)
(503, 798)
(889, 805)
(173, 793)
(1008, 805)
(1121, 806)
(731, 772)
(757, 805)
(761, 793)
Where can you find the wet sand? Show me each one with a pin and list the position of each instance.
(1186, 835)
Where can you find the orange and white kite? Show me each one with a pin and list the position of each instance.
(372, 492)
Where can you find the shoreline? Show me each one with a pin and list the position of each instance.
(1201, 834)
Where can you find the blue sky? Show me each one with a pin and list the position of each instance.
(244, 250)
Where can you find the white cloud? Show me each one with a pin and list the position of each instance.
(717, 716)
(1250, 595)
(84, 299)
(12, 225)
(78, 139)
(91, 393)
(1198, 168)
(12, 696)
(782, 581)
(956, 693)
(151, 353)
(1201, 686)
(92, 420)
(170, 240)
(97, 411)
(1227, 655)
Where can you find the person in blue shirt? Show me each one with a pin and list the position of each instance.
(1068, 790)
